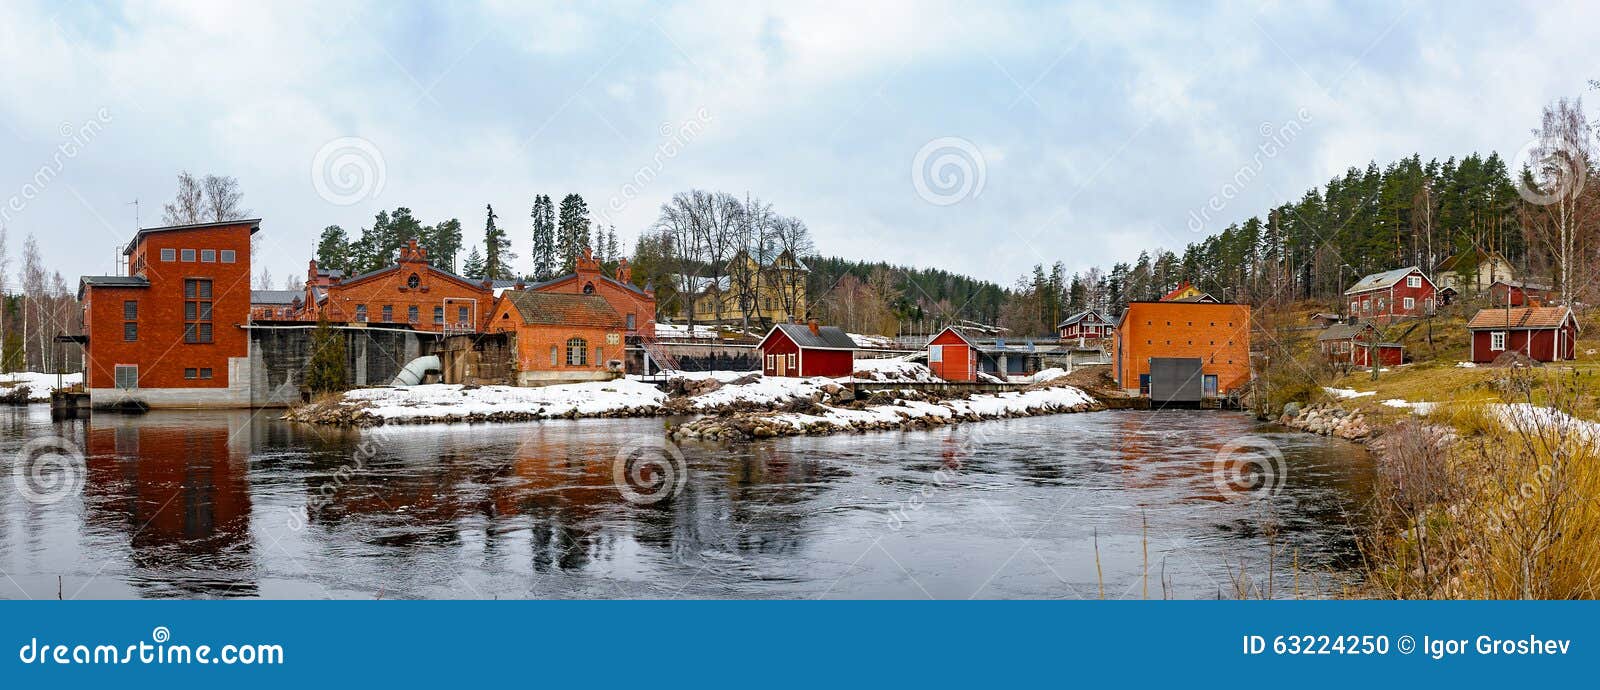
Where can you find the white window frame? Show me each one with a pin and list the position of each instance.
(791, 361)
(935, 354)
(1413, 281)
(117, 376)
(772, 361)
(1410, 303)
(1497, 341)
(227, 256)
(168, 255)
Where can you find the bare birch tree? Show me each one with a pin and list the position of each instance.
(1561, 207)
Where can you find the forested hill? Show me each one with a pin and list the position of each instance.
(867, 293)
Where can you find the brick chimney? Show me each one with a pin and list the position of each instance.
(816, 327)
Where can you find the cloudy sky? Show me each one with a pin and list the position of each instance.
(978, 137)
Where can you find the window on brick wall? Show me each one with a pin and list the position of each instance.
(461, 314)
(191, 373)
(577, 352)
(127, 376)
(208, 256)
(361, 312)
(412, 315)
(130, 321)
(227, 256)
(388, 312)
(169, 255)
(188, 256)
(205, 373)
(196, 310)
(555, 355)
(438, 315)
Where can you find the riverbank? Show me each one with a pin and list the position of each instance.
(728, 405)
(22, 387)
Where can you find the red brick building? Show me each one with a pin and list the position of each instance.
(1211, 339)
(410, 293)
(1544, 334)
(169, 334)
(560, 337)
(953, 355)
(636, 305)
(792, 349)
(1385, 297)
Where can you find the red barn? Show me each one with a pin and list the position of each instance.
(792, 349)
(1521, 293)
(953, 356)
(1384, 297)
(1544, 334)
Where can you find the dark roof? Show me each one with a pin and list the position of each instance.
(396, 266)
(110, 281)
(254, 223)
(1339, 331)
(1526, 285)
(1519, 318)
(831, 337)
(1079, 317)
(275, 296)
(331, 272)
(1469, 259)
(563, 309)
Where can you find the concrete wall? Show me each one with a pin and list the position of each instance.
(374, 356)
(236, 394)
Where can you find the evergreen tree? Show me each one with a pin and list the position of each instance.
(612, 252)
(497, 250)
(443, 243)
(326, 372)
(544, 238)
(333, 249)
(473, 267)
(572, 234)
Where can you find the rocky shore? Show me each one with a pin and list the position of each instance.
(1327, 419)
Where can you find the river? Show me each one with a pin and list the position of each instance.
(1120, 504)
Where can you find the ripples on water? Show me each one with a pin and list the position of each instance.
(228, 504)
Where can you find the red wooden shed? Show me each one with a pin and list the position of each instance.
(792, 349)
(953, 356)
(1544, 334)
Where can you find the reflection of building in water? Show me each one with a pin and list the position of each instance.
(180, 490)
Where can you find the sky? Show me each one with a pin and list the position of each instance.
(982, 138)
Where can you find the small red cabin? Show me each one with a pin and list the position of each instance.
(1385, 297)
(1544, 334)
(1352, 345)
(953, 356)
(805, 350)
(1517, 293)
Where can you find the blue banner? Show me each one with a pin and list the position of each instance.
(792, 644)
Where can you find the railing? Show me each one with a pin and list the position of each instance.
(665, 361)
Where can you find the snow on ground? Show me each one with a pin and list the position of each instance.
(1466, 365)
(440, 401)
(39, 384)
(998, 404)
(875, 342)
(1416, 407)
(1343, 393)
(722, 375)
(1046, 375)
(673, 330)
(769, 390)
(893, 369)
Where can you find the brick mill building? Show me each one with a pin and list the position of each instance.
(170, 333)
(805, 350)
(1182, 351)
(560, 337)
(1391, 295)
(1544, 334)
(409, 293)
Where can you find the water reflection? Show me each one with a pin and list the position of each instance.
(235, 504)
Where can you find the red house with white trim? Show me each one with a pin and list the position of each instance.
(953, 356)
(1391, 295)
(805, 350)
(1544, 334)
(1088, 324)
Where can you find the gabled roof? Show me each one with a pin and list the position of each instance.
(970, 338)
(1202, 297)
(275, 296)
(1340, 331)
(1081, 316)
(396, 266)
(1521, 318)
(1386, 279)
(826, 337)
(1525, 285)
(564, 309)
(1467, 260)
(254, 223)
